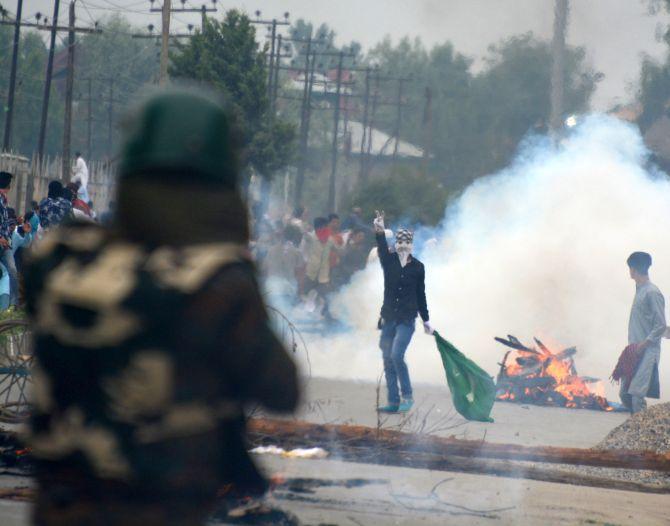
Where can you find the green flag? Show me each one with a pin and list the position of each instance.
(471, 387)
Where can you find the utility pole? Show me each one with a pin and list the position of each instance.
(47, 88)
(12, 78)
(375, 99)
(336, 125)
(558, 64)
(398, 119)
(69, 86)
(165, 46)
(203, 17)
(300, 177)
(110, 116)
(101, 102)
(89, 120)
(271, 64)
(53, 29)
(275, 82)
(366, 102)
(203, 10)
(427, 127)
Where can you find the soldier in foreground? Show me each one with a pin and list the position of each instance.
(151, 336)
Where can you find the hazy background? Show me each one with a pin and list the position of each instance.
(614, 32)
(538, 249)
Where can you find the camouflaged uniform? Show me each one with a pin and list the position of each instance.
(151, 336)
(145, 359)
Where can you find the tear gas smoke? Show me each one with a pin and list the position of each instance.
(538, 249)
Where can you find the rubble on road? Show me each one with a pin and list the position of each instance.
(648, 430)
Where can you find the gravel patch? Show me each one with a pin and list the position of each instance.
(648, 430)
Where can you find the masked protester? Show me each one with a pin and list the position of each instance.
(151, 336)
(404, 297)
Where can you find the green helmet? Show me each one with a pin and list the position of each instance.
(179, 132)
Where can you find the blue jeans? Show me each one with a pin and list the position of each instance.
(7, 258)
(394, 341)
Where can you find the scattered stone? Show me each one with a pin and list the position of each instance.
(648, 430)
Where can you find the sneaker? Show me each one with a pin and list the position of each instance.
(405, 405)
(390, 408)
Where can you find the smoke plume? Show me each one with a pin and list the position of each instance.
(538, 249)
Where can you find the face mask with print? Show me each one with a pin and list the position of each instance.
(404, 245)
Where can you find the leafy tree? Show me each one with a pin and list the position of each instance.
(227, 57)
(512, 95)
(405, 196)
(477, 119)
(323, 43)
(654, 91)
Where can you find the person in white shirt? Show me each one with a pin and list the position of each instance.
(80, 175)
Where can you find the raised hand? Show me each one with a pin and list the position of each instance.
(378, 223)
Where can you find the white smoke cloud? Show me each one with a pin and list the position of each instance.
(538, 249)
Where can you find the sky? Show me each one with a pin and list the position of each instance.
(615, 33)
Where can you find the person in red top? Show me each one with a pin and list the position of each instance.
(77, 203)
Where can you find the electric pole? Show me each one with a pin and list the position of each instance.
(165, 44)
(398, 120)
(12, 78)
(53, 29)
(366, 102)
(69, 86)
(427, 127)
(203, 17)
(558, 64)
(89, 120)
(336, 125)
(203, 10)
(300, 177)
(275, 82)
(47, 87)
(110, 116)
(271, 65)
(375, 99)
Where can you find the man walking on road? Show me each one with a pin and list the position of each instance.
(404, 297)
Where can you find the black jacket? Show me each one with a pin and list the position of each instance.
(404, 287)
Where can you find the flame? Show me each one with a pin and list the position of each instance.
(566, 388)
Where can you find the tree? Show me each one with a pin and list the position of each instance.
(323, 41)
(477, 119)
(512, 95)
(226, 56)
(407, 196)
(654, 85)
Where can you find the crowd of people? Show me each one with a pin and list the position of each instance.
(18, 232)
(305, 261)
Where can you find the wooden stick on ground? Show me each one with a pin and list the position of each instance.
(294, 433)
